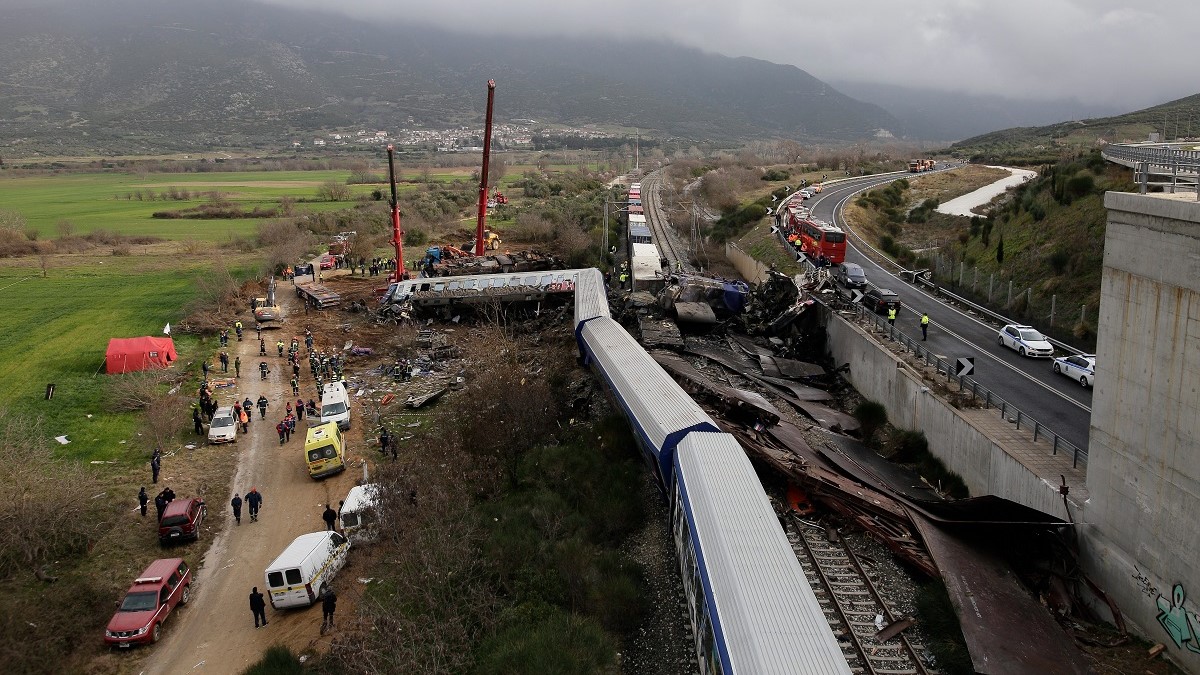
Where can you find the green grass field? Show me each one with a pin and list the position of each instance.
(56, 330)
(92, 201)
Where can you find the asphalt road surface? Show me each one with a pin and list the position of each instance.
(1053, 400)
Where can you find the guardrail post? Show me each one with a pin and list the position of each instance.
(1053, 301)
(1004, 410)
(1035, 430)
(1144, 170)
(1055, 452)
(987, 400)
(1018, 419)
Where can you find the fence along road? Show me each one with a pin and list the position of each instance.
(1029, 384)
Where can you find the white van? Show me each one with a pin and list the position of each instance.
(335, 405)
(359, 518)
(301, 574)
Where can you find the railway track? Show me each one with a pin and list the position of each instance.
(657, 221)
(852, 604)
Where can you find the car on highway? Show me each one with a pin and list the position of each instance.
(223, 428)
(852, 276)
(326, 262)
(181, 520)
(806, 194)
(880, 300)
(165, 584)
(1025, 340)
(1078, 367)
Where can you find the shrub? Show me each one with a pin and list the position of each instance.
(776, 175)
(277, 660)
(1058, 260)
(871, 417)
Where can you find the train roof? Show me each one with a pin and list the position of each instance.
(637, 218)
(639, 230)
(591, 298)
(770, 620)
(658, 408)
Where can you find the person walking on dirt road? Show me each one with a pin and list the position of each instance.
(262, 406)
(253, 500)
(258, 607)
(263, 370)
(330, 518)
(236, 503)
(244, 419)
(282, 430)
(237, 366)
(328, 605)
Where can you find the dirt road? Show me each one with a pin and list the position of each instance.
(215, 632)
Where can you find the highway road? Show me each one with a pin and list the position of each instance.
(1053, 400)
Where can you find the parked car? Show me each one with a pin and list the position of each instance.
(1080, 367)
(1025, 340)
(326, 262)
(880, 300)
(181, 520)
(852, 276)
(302, 269)
(223, 428)
(154, 594)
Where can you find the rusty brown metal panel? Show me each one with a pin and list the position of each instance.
(1007, 631)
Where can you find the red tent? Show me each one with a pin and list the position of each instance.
(127, 355)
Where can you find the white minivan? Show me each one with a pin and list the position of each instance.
(358, 513)
(335, 405)
(300, 575)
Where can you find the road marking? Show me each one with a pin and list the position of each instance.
(837, 209)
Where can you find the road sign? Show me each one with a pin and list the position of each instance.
(856, 295)
(965, 366)
(774, 198)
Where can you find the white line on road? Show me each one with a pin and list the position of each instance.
(837, 209)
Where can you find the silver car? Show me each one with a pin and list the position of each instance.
(224, 426)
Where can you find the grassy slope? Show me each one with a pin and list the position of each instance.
(1049, 142)
(1073, 231)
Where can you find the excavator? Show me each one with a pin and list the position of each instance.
(266, 310)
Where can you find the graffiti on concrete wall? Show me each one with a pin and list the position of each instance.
(1179, 623)
(1144, 584)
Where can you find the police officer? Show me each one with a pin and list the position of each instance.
(924, 325)
(891, 316)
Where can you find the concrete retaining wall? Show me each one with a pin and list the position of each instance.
(750, 269)
(953, 434)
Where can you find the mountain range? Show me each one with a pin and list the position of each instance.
(145, 76)
(136, 75)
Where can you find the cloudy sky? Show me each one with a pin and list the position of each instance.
(1094, 50)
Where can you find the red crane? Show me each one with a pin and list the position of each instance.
(483, 175)
(397, 233)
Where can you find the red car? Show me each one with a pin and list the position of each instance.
(140, 616)
(181, 520)
(326, 262)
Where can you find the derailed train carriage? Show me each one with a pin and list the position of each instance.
(751, 607)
